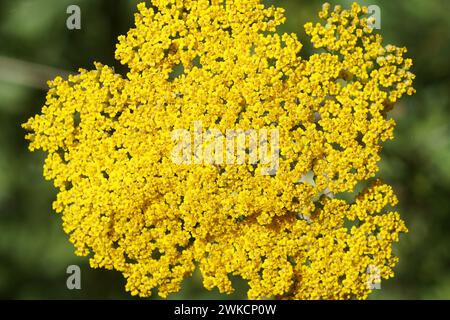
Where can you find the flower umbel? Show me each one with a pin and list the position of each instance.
(292, 235)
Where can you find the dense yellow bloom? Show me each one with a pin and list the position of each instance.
(129, 207)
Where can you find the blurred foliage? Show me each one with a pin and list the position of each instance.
(34, 251)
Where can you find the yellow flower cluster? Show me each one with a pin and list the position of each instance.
(127, 206)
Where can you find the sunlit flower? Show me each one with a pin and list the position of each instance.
(298, 234)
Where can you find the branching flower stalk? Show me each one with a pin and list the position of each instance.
(129, 207)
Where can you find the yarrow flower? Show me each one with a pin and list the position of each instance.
(292, 235)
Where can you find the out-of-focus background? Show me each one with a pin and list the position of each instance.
(36, 45)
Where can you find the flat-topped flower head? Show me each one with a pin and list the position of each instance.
(128, 206)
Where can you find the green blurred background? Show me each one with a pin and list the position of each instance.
(35, 44)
